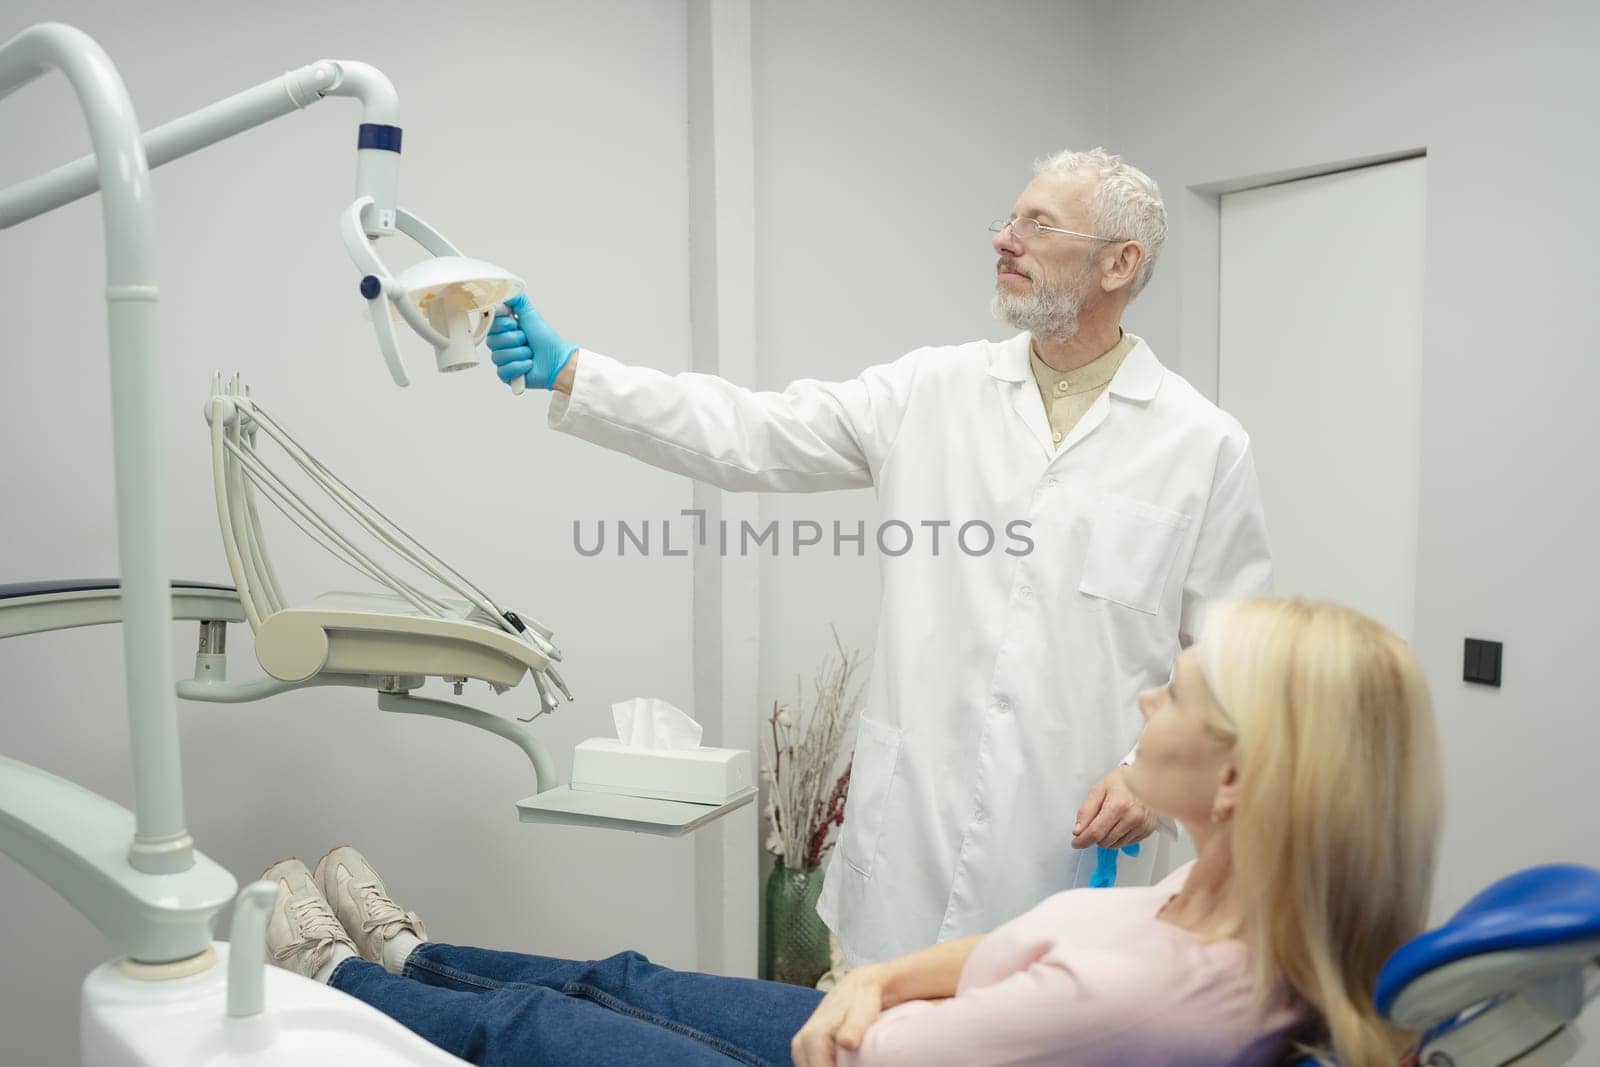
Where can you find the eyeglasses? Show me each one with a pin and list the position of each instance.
(1027, 229)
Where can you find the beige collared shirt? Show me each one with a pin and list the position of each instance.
(1067, 395)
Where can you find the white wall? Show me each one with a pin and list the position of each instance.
(571, 168)
(888, 135)
(1501, 97)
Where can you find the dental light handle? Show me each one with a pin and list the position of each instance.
(520, 382)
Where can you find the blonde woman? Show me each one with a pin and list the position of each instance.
(1295, 743)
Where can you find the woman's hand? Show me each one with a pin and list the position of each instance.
(841, 1020)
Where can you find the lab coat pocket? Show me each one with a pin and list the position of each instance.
(871, 775)
(1131, 552)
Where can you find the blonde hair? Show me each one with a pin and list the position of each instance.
(1337, 817)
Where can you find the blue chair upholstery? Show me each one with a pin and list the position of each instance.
(1540, 906)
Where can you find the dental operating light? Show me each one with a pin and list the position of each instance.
(436, 297)
(438, 300)
(449, 290)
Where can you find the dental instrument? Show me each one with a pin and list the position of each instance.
(1105, 865)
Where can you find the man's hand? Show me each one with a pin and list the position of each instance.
(526, 347)
(841, 1019)
(1112, 816)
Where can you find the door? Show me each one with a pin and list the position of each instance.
(1321, 359)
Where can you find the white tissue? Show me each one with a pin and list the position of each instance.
(645, 722)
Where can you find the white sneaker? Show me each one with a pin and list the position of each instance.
(362, 904)
(302, 932)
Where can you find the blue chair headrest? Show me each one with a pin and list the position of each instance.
(1546, 905)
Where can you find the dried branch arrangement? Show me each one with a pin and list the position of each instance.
(805, 791)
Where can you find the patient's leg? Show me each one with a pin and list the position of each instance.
(743, 1019)
(523, 1025)
(735, 1014)
(760, 1018)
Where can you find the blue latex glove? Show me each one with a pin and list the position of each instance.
(1105, 866)
(527, 346)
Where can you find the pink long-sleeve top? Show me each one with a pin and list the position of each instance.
(1090, 976)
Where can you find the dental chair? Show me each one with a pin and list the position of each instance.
(174, 995)
(1504, 981)
(1502, 984)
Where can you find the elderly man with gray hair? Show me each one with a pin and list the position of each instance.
(1061, 507)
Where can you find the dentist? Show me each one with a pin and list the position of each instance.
(1118, 501)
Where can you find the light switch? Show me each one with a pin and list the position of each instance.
(1482, 662)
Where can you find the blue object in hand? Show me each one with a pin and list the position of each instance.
(1105, 866)
(525, 346)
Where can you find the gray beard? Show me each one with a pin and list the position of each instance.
(1044, 311)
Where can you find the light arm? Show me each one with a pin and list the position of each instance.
(375, 212)
(377, 169)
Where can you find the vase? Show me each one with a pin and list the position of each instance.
(797, 938)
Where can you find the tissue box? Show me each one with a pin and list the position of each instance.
(695, 775)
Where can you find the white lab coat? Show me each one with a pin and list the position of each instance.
(1004, 686)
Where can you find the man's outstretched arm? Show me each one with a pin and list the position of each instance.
(812, 436)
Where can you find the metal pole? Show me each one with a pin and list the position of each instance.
(161, 842)
(377, 171)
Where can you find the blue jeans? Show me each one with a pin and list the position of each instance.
(500, 1009)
